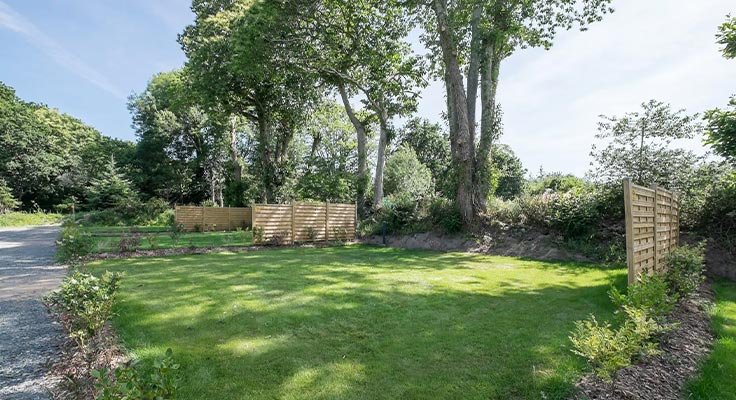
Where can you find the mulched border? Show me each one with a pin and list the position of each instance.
(206, 250)
(663, 376)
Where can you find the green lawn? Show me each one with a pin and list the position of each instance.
(13, 219)
(165, 241)
(717, 379)
(359, 322)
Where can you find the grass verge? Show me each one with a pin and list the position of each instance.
(16, 219)
(717, 377)
(155, 241)
(359, 322)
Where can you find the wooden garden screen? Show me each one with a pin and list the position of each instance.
(652, 227)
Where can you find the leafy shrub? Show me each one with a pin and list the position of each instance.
(400, 213)
(176, 231)
(152, 241)
(445, 214)
(130, 383)
(197, 228)
(129, 243)
(650, 294)
(311, 234)
(209, 203)
(405, 175)
(154, 207)
(258, 233)
(607, 350)
(685, 268)
(88, 300)
(73, 244)
(554, 182)
(280, 238)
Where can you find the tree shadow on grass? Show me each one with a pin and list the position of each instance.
(359, 323)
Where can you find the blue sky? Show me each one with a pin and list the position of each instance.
(86, 57)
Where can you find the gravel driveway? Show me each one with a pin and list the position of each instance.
(28, 337)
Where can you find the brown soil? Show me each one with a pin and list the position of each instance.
(511, 242)
(71, 372)
(662, 376)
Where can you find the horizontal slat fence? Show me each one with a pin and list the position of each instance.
(652, 227)
(193, 218)
(304, 222)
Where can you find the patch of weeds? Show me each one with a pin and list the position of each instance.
(128, 382)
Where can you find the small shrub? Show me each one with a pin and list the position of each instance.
(607, 350)
(311, 234)
(88, 300)
(176, 231)
(400, 213)
(280, 238)
(650, 294)
(258, 234)
(73, 244)
(128, 382)
(197, 228)
(685, 268)
(209, 203)
(152, 241)
(129, 243)
(445, 214)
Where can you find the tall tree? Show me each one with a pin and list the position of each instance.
(641, 146)
(473, 37)
(359, 48)
(721, 124)
(235, 51)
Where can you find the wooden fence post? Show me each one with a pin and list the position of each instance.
(327, 219)
(656, 228)
(629, 230)
(293, 226)
(253, 212)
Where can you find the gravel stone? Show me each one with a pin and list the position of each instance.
(29, 338)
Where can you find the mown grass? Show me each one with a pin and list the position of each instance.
(360, 322)
(717, 377)
(153, 241)
(16, 219)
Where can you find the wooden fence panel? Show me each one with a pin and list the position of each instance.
(193, 218)
(652, 227)
(305, 222)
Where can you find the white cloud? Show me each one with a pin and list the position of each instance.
(661, 49)
(12, 20)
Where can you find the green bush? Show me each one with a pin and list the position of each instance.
(7, 201)
(555, 182)
(87, 300)
(73, 244)
(685, 268)
(400, 213)
(651, 294)
(607, 350)
(445, 214)
(128, 382)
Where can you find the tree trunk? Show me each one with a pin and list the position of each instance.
(461, 140)
(474, 67)
(360, 130)
(266, 155)
(489, 129)
(380, 160)
(234, 157)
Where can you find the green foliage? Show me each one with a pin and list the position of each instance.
(130, 383)
(87, 300)
(401, 213)
(509, 170)
(445, 214)
(608, 349)
(685, 268)
(432, 148)
(113, 191)
(554, 182)
(727, 37)
(640, 146)
(406, 176)
(7, 201)
(73, 244)
(720, 130)
(650, 294)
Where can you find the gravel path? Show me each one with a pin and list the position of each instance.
(29, 339)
